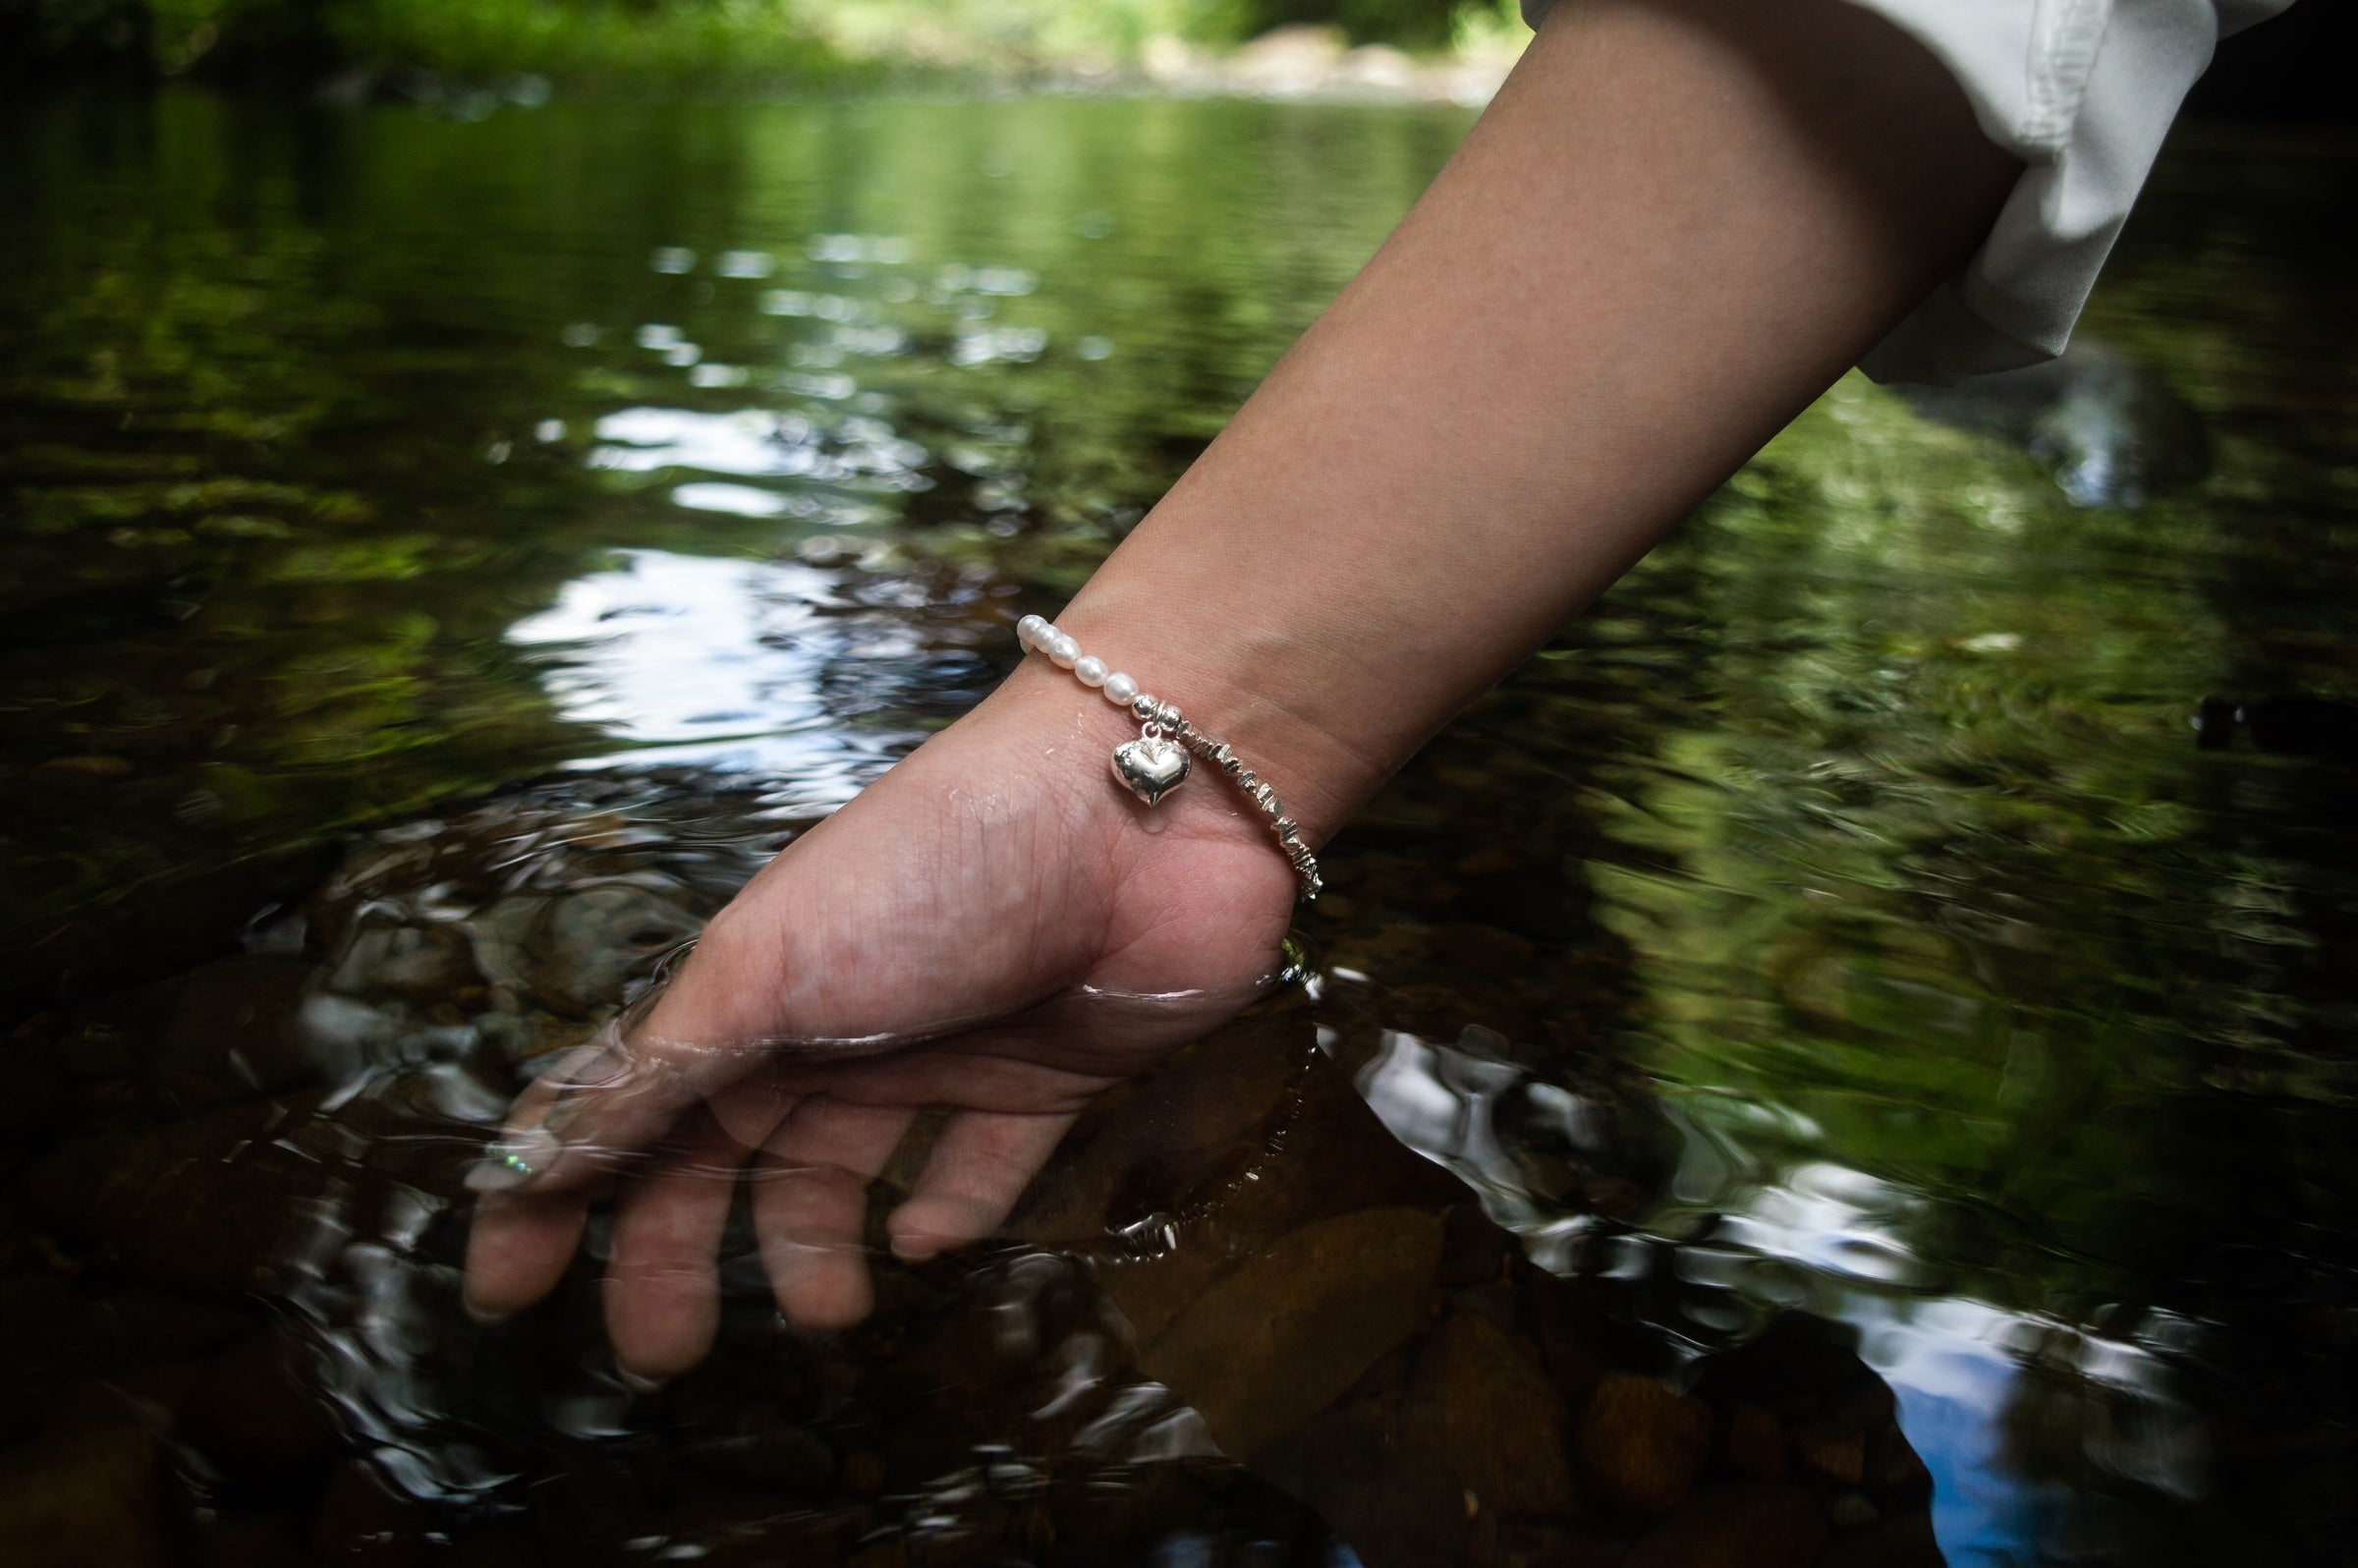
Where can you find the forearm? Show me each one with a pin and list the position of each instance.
(1681, 221)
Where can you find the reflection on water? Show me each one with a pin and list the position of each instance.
(734, 664)
(1877, 1079)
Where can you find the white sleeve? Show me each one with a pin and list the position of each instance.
(2083, 91)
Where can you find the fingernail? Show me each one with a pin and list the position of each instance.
(636, 1384)
(514, 1160)
(484, 1316)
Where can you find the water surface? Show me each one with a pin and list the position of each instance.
(444, 558)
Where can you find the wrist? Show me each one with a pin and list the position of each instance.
(1247, 685)
(1081, 723)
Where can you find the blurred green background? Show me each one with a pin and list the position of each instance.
(801, 39)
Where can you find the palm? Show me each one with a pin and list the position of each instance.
(991, 929)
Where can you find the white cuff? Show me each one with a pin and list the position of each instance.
(2083, 91)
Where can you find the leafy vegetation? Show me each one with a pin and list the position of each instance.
(686, 38)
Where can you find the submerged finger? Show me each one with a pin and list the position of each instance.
(622, 1094)
(977, 1169)
(664, 1285)
(811, 1207)
(518, 1249)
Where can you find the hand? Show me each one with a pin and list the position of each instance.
(994, 928)
(1529, 384)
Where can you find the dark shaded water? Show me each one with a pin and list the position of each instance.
(444, 558)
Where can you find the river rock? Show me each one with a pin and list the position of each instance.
(1643, 1444)
(1895, 1541)
(1288, 1331)
(1481, 1396)
(1252, 1137)
(1396, 1502)
(1483, 949)
(202, 1205)
(418, 963)
(360, 1520)
(234, 1036)
(252, 1417)
(1111, 1523)
(1559, 1318)
(1892, 1463)
(1756, 1443)
(1752, 1524)
(87, 1493)
(589, 943)
(777, 1456)
(1824, 1449)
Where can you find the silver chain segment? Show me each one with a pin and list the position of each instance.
(1156, 762)
(1165, 717)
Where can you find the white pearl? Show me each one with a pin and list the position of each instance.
(1090, 669)
(1120, 690)
(1028, 629)
(1064, 650)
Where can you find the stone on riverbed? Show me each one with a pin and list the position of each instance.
(86, 1493)
(1753, 1524)
(1481, 1397)
(1285, 1333)
(1643, 1444)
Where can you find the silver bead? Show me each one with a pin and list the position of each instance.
(1144, 708)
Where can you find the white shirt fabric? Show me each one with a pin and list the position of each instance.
(2081, 90)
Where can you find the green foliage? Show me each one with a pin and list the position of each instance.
(1410, 23)
(681, 38)
(586, 37)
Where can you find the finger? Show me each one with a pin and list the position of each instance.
(614, 1097)
(519, 1155)
(811, 1207)
(518, 1249)
(664, 1285)
(750, 1112)
(980, 1166)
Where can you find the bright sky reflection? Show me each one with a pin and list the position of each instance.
(725, 663)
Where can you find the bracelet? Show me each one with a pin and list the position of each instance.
(1157, 762)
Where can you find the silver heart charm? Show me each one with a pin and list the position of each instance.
(1151, 767)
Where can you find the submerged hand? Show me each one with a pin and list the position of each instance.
(1521, 393)
(994, 928)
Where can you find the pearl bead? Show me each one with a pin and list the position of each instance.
(1090, 669)
(1064, 650)
(1120, 690)
(1028, 629)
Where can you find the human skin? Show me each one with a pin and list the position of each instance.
(1678, 223)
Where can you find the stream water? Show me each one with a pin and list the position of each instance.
(1854, 1059)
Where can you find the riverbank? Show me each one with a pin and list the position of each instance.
(1378, 50)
